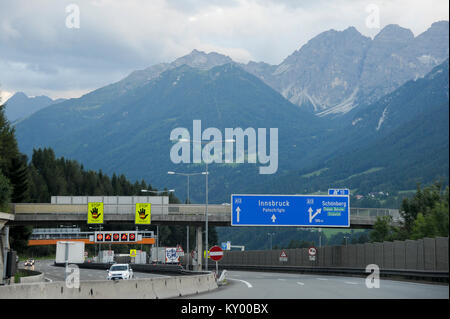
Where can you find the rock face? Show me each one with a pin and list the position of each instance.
(339, 70)
(332, 73)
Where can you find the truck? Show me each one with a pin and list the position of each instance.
(164, 255)
(73, 249)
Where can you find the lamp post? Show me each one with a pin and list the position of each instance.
(346, 238)
(271, 236)
(162, 208)
(206, 173)
(188, 201)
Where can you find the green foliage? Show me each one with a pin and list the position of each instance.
(434, 221)
(5, 193)
(426, 214)
(382, 230)
(19, 236)
(51, 176)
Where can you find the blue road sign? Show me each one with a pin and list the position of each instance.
(338, 191)
(290, 210)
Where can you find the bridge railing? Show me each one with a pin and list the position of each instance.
(36, 208)
(361, 215)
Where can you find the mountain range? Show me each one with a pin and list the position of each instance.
(20, 105)
(351, 111)
(339, 70)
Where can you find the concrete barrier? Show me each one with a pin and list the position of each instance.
(206, 283)
(149, 288)
(187, 285)
(166, 288)
(34, 277)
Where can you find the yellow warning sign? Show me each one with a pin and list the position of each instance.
(132, 252)
(143, 214)
(95, 213)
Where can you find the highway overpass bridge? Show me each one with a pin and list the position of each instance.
(162, 214)
(121, 210)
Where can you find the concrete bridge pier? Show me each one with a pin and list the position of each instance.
(199, 248)
(4, 244)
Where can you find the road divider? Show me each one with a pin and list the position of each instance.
(149, 288)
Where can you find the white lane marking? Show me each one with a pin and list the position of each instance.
(281, 279)
(300, 283)
(321, 279)
(249, 285)
(350, 283)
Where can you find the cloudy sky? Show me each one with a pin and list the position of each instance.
(67, 48)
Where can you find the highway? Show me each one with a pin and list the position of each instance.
(53, 273)
(267, 285)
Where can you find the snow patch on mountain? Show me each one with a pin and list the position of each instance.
(382, 118)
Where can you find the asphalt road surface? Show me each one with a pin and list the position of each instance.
(264, 285)
(53, 273)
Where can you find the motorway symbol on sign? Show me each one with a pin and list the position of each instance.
(339, 191)
(216, 253)
(290, 210)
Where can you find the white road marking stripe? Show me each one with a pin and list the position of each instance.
(300, 283)
(281, 279)
(351, 283)
(214, 253)
(321, 279)
(249, 285)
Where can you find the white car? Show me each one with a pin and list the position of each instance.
(120, 271)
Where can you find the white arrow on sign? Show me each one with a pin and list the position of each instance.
(273, 218)
(237, 211)
(311, 216)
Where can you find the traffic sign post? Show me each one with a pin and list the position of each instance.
(290, 210)
(216, 254)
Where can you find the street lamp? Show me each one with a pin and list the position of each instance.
(271, 236)
(188, 201)
(206, 173)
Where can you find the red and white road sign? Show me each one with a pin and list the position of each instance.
(312, 251)
(216, 253)
(283, 256)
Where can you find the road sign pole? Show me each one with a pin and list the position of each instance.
(206, 220)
